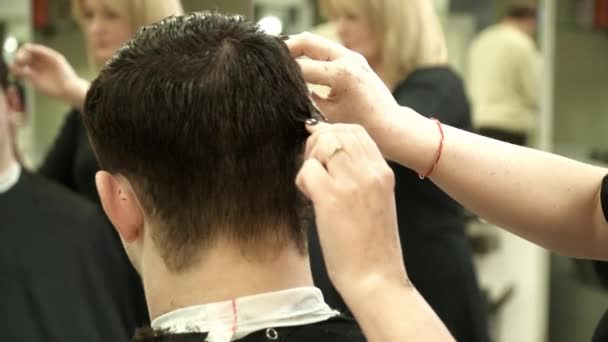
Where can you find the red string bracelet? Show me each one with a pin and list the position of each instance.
(439, 150)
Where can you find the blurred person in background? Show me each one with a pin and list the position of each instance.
(64, 275)
(403, 42)
(107, 25)
(504, 75)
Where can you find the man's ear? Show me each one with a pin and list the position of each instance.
(121, 204)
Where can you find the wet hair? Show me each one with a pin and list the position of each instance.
(204, 114)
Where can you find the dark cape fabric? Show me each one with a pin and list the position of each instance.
(333, 330)
(63, 273)
(601, 333)
(71, 161)
(431, 224)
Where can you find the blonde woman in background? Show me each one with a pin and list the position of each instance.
(107, 25)
(403, 42)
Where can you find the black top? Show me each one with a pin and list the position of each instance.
(339, 329)
(63, 273)
(71, 161)
(601, 333)
(431, 224)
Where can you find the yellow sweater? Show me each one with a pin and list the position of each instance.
(503, 79)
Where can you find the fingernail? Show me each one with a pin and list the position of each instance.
(284, 37)
(312, 122)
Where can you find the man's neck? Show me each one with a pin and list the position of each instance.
(223, 274)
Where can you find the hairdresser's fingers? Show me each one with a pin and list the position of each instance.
(21, 70)
(318, 72)
(366, 144)
(315, 128)
(314, 181)
(42, 51)
(22, 60)
(315, 47)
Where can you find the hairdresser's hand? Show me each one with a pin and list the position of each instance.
(352, 190)
(50, 73)
(357, 94)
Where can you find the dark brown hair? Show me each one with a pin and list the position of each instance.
(204, 114)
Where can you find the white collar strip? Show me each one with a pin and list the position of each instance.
(231, 320)
(10, 177)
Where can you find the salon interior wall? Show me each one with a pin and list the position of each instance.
(581, 110)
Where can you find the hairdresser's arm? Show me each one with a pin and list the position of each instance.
(50, 73)
(351, 188)
(545, 198)
(550, 200)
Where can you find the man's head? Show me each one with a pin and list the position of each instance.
(198, 122)
(3, 103)
(524, 16)
(9, 105)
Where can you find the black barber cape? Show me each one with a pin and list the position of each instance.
(63, 273)
(339, 329)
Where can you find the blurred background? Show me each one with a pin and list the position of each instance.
(533, 296)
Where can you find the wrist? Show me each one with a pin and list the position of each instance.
(76, 90)
(381, 128)
(410, 139)
(357, 289)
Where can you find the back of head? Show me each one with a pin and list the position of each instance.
(4, 122)
(204, 115)
(3, 75)
(521, 12)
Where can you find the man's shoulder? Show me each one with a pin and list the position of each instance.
(54, 196)
(339, 329)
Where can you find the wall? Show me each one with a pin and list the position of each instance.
(581, 93)
(244, 7)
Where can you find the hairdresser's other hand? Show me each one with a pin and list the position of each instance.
(50, 73)
(352, 190)
(357, 94)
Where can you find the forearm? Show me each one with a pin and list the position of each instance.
(550, 200)
(390, 311)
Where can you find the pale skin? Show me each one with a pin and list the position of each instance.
(206, 280)
(545, 198)
(50, 73)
